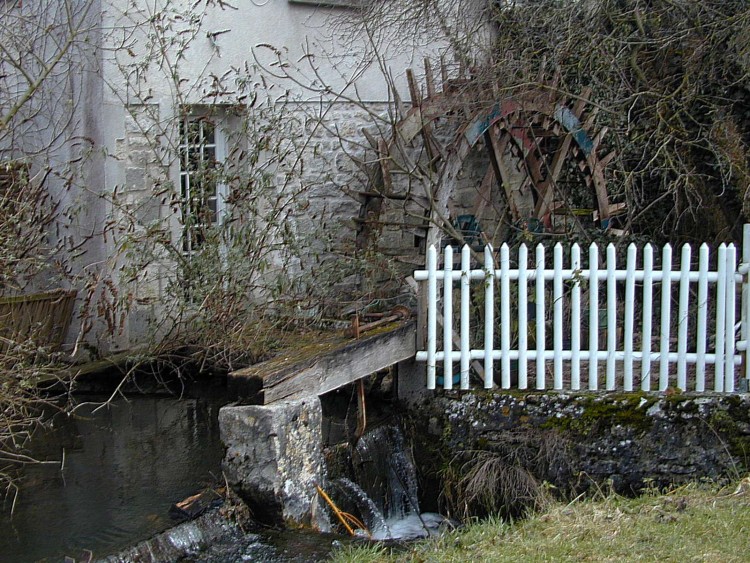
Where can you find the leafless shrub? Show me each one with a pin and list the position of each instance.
(506, 478)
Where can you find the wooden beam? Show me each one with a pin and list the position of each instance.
(340, 366)
(603, 162)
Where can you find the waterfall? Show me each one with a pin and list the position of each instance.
(383, 487)
(372, 516)
(383, 468)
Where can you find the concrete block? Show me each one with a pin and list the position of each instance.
(274, 459)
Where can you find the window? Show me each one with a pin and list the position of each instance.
(201, 151)
(342, 3)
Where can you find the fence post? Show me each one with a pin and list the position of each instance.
(745, 313)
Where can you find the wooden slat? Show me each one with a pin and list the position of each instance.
(603, 162)
(43, 317)
(547, 188)
(416, 98)
(599, 137)
(429, 79)
(385, 166)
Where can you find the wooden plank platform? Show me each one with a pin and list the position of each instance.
(330, 363)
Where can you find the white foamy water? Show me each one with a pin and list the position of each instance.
(411, 526)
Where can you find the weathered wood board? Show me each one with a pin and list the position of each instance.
(326, 365)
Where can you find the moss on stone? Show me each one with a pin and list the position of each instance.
(729, 429)
(627, 410)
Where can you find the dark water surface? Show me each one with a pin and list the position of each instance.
(124, 466)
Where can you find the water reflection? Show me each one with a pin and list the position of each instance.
(124, 466)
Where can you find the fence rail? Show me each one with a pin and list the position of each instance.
(662, 326)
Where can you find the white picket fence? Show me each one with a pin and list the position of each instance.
(649, 342)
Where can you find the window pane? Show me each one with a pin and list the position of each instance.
(198, 184)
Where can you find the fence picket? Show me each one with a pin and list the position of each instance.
(721, 301)
(702, 319)
(557, 295)
(629, 316)
(540, 317)
(465, 319)
(745, 318)
(431, 315)
(489, 315)
(575, 318)
(611, 316)
(448, 318)
(523, 309)
(593, 317)
(647, 331)
(682, 317)
(729, 338)
(666, 303)
(505, 316)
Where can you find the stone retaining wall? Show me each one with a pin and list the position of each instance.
(574, 442)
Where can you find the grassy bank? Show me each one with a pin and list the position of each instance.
(692, 523)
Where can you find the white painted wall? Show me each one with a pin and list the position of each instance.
(199, 42)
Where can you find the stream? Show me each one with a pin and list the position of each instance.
(113, 475)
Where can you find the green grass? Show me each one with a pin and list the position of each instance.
(692, 523)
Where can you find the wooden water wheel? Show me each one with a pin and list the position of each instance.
(465, 165)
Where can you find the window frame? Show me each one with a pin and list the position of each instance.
(189, 243)
(329, 3)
